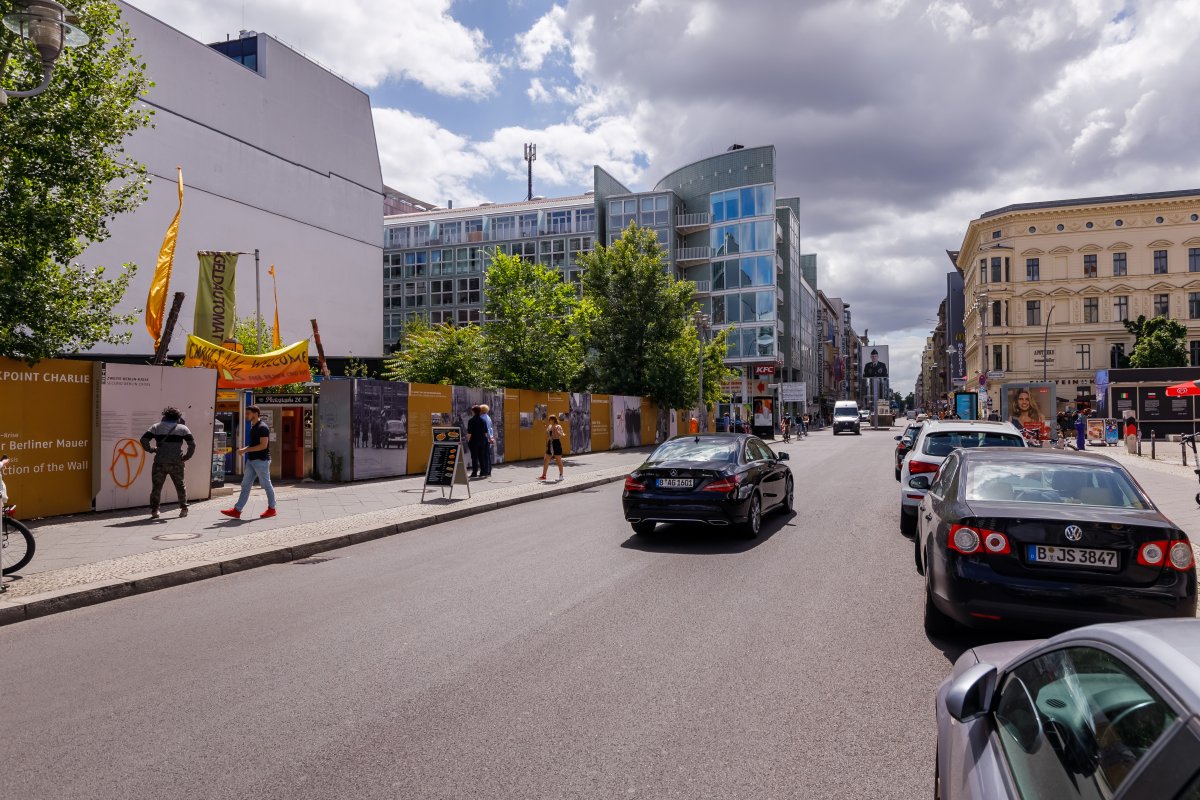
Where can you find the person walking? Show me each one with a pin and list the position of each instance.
(726, 423)
(477, 441)
(169, 436)
(554, 434)
(258, 465)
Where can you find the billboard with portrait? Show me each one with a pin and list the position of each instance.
(1029, 406)
(873, 361)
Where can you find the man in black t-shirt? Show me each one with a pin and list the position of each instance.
(258, 465)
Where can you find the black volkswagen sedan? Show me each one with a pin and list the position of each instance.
(1050, 536)
(717, 479)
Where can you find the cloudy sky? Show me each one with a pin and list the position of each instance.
(895, 121)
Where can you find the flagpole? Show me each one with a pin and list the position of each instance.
(257, 304)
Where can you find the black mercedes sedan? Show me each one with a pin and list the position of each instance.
(716, 479)
(1046, 536)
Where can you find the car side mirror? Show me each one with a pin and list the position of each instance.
(921, 482)
(970, 695)
(782, 456)
(898, 438)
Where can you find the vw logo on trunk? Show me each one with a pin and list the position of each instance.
(1074, 533)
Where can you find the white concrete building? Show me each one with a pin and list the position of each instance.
(278, 154)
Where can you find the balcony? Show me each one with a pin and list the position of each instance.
(693, 254)
(703, 287)
(690, 223)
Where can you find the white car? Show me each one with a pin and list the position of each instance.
(936, 439)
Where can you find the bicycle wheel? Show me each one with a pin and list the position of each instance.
(18, 546)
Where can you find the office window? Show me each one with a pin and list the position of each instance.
(1160, 262)
(996, 276)
(1033, 268)
(414, 295)
(1194, 259)
(998, 357)
(441, 317)
(1115, 354)
(1084, 352)
(468, 316)
(1091, 309)
(1162, 305)
(1193, 305)
(468, 291)
(1194, 351)
(983, 270)
(1033, 312)
(585, 220)
(504, 228)
(1089, 265)
(1121, 308)
(441, 293)
(997, 319)
(1120, 264)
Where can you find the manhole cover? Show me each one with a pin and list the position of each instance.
(176, 537)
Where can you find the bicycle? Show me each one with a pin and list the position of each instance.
(16, 542)
(1190, 438)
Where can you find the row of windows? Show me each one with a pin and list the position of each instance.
(1002, 355)
(1091, 309)
(736, 273)
(745, 237)
(734, 204)
(996, 270)
(464, 260)
(654, 212)
(492, 228)
(744, 307)
(752, 342)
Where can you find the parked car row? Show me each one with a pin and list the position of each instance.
(1004, 533)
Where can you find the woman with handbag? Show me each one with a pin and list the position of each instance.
(554, 434)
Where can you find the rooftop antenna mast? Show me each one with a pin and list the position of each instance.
(530, 157)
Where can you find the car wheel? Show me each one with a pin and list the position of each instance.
(789, 497)
(908, 523)
(936, 623)
(643, 528)
(753, 523)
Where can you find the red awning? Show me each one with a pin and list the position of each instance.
(1185, 389)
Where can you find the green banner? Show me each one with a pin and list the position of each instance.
(216, 297)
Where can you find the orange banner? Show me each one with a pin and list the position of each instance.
(241, 371)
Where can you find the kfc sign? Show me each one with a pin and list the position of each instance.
(764, 369)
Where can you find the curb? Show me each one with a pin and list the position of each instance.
(56, 601)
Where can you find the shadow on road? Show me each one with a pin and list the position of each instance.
(966, 638)
(705, 540)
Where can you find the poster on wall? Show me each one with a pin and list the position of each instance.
(1154, 405)
(463, 399)
(626, 421)
(764, 415)
(874, 360)
(130, 399)
(601, 420)
(966, 405)
(1029, 406)
(46, 431)
(336, 410)
(579, 419)
(379, 428)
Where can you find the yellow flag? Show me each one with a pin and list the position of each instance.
(276, 342)
(156, 301)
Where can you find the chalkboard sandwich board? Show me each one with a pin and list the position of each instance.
(446, 465)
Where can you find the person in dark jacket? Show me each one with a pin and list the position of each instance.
(477, 442)
(172, 444)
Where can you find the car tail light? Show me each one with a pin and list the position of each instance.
(970, 540)
(916, 467)
(1151, 554)
(728, 484)
(1181, 557)
(634, 485)
(963, 539)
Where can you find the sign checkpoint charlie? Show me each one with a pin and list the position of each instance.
(446, 466)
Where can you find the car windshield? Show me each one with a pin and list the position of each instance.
(845, 412)
(942, 443)
(1077, 484)
(697, 450)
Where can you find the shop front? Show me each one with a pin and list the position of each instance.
(290, 418)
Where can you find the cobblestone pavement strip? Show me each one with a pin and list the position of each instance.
(39, 593)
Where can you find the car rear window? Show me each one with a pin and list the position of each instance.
(693, 450)
(1107, 487)
(942, 443)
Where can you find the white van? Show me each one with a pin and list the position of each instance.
(845, 417)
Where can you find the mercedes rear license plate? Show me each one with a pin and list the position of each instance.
(1072, 556)
(674, 483)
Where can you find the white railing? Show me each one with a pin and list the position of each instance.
(695, 220)
(703, 287)
(693, 253)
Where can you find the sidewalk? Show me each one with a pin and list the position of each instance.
(89, 558)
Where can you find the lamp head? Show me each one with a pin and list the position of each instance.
(47, 25)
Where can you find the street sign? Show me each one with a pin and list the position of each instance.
(793, 392)
(996, 375)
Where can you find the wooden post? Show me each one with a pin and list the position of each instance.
(160, 353)
(320, 349)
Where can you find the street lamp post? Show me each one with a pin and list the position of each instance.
(49, 27)
(1046, 342)
(701, 321)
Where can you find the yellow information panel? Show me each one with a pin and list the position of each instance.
(428, 405)
(560, 404)
(46, 431)
(601, 411)
(649, 421)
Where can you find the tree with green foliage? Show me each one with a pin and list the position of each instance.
(440, 354)
(64, 175)
(1158, 342)
(536, 327)
(643, 340)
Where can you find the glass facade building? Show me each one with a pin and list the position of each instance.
(719, 221)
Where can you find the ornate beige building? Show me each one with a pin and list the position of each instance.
(1046, 285)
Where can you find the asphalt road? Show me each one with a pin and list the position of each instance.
(535, 652)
